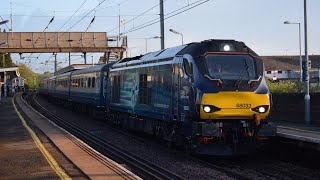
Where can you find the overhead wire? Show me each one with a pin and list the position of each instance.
(135, 17)
(144, 25)
(156, 20)
(31, 7)
(51, 20)
(5, 23)
(83, 18)
(67, 21)
(143, 13)
(100, 16)
(44, 30)
(152, 21)
(94, 9)
(69, 18)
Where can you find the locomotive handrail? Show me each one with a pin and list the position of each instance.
(255, 80)
(212, 79)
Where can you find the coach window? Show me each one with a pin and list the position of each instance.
(89, 82)
(93, 82)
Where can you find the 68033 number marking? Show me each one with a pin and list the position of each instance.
(243, 106)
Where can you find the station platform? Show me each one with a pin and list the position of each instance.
(19, 155)
(32, 147)
(298, 131)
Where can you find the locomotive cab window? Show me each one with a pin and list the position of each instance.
(231, 67)
(188, 68)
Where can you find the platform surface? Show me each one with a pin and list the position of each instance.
(90, 162)
(299, 131)
(20, 158)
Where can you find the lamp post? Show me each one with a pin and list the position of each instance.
(305, 67)
(92, 60)
(176, 32)
(287, 22)
(146, 39)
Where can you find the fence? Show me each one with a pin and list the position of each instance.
(290, 107)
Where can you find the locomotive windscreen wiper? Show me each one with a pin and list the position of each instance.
(245, 70)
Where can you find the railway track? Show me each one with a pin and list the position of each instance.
(139, 166)
(261, 167)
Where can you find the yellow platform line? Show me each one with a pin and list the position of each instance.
(53, 163)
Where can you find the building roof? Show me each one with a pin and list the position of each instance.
(11, 71)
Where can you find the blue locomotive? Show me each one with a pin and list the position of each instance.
(210, 97)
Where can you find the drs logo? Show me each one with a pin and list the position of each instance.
(243, 106)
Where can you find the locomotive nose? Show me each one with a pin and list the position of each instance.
(234, 105)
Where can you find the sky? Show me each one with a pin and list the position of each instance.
(258, 23)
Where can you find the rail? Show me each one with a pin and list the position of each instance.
(141, 167)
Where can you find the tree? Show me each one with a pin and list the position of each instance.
(8, 61)
(31, 78)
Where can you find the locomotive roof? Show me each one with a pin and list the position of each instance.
(195, 49)
(215, 45)
(149, 57)
(161, 54)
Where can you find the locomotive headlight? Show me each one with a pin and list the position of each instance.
(210, 108)
(206, 109)
(226, 47)
(262, 109)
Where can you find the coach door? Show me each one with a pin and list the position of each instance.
(104, 87)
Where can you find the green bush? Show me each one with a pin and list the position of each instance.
(290, 87)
